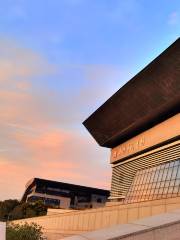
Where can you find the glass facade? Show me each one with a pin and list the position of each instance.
(52, 202)
(162, 181)
(46, 201)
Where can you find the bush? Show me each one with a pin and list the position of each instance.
(24, 232)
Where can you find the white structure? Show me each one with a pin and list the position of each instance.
(2, 230)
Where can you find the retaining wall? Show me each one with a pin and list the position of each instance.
(88, 220)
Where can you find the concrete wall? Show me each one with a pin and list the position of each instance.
(164, 226)
(2, 231)
(88, 220)
(54, 211)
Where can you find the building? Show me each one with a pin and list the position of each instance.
(140, 123)
(64, 195)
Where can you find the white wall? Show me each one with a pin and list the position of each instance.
(2, 231)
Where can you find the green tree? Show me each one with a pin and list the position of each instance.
(13, 209)
(39, 208)
(24, 232)
(27, 210)
(6, 207)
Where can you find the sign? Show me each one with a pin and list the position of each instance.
(155, 135)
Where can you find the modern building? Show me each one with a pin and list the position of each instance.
(64, 195)
(140, 123)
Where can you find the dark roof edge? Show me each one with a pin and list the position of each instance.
(130, 80)
(70, 184)
(157, 116)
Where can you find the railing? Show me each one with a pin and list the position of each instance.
(89, 220)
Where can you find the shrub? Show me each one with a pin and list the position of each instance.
(24, 232)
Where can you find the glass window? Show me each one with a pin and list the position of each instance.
(167, 183)
(176, 188)
(170, 190)
(166, 165)
(171, 164)
(174, 173)
(178, 173)
(164, 174)
(156, 176)
(169, 173)
(172, 182)
(160, 175)
(177, 182)
(161, 181)
(165, 191)
(162, 184)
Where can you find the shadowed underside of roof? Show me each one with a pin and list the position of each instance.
(150, 97)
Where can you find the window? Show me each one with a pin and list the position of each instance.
(162, 181)
(52, 202)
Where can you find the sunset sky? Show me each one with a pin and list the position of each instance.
(59, 61)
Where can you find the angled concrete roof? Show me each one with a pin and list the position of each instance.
(149, 98)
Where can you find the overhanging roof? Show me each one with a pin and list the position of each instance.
(149, 98)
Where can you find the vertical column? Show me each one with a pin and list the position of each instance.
(2, 231)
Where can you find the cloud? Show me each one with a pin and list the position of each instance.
(41, 132)
(58, 155)
(173, 18)
(18, 63)
(19, 69)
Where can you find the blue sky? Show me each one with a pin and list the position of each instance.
(59, 61)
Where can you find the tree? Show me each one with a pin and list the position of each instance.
(13, 209)
(24, 232)
(27, 210)
(6, 207)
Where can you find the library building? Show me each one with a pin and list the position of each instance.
(140, 124)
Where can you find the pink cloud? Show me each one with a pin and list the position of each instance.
(53, 155)
(62, 154)
(33, 141)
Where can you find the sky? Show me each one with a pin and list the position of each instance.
(59, 61)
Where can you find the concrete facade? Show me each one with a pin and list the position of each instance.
(158, 134)
(78, 222)
(164, 226)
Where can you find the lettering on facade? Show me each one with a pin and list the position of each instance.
(129, 148)
(159, 133)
